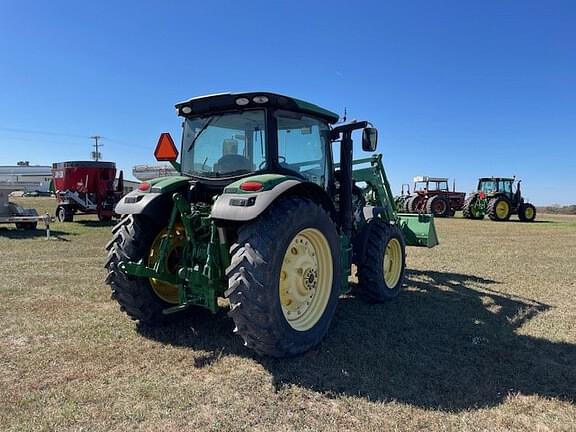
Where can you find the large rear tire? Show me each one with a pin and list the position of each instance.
(469, 210)
(499, 209)
(380, 255)
(438, 206)
(284, 278)
(143, 299)
(414, 203)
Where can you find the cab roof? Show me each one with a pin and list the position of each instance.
(230, 101)
(419, 179)
(496, 179)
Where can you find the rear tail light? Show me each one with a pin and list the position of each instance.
(251, 186)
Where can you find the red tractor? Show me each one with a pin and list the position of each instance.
(432, 195)
(86, 187)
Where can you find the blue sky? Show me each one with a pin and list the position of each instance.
(458, 89)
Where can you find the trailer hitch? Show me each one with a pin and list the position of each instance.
(198, 274)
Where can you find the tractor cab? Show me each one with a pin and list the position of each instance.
(496, 185)
(230, 136)
(423, 184)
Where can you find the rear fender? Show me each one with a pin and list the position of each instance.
(238, 205)
(156, 202)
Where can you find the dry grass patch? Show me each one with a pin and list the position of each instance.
(482, 338)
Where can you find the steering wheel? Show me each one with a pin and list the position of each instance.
(281, 159)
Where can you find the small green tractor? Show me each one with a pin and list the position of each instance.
(494, 197)
(263, 216)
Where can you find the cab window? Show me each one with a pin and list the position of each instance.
(505, 186)
(302, 143)
(487, 186)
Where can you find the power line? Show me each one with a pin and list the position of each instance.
(37, 132)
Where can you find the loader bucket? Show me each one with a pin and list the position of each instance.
(418, 229)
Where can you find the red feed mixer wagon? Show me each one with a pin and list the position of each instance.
(86, 187)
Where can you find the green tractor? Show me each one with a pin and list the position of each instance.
(494, 197)
(263, 216)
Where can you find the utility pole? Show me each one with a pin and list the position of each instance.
(96, 153)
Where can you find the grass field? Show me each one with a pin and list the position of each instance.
(482, 338)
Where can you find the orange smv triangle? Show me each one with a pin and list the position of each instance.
(165, 149)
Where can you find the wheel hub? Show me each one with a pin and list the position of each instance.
(392, 263)
(502, 209)
(166, 291)
(305, 279)
(310, 277)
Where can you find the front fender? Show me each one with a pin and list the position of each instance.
(238, 205)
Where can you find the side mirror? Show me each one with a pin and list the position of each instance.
(369, 139)
(165, 149)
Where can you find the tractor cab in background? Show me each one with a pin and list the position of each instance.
(496, 197)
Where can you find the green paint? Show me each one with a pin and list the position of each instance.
(269, 181)
(167, 184)
(418, 230)
(200, 276)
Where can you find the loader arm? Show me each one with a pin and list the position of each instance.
(418, 229)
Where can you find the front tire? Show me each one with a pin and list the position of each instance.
(527, 213)
(380, 255)
(284, 278)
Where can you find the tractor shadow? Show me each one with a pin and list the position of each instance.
(96, 223)
(449, 343)
(533, 222)
(40, 232)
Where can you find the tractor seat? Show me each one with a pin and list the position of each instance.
(232, 162)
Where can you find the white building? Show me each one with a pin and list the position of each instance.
(32, 178)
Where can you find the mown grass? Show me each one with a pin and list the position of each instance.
(482, 338)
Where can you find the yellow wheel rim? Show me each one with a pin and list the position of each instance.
(502, 209)
(167, 291)
(306, 279)
(529, 213)
(392, 263)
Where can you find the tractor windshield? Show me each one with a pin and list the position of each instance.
(487, 186)
(224, 145)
